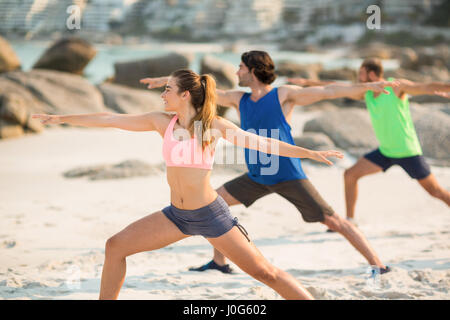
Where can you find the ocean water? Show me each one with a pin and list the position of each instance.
(102, 66)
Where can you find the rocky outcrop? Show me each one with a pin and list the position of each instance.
(223, 72)
(67, 55)
(129, 73)
(293, 69)
(58, 92)
(8, 58)
(43, 91)
(314, 141)
(432, 127)
(122, 99)
(346, 74)
(349, 129)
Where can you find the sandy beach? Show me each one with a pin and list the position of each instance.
(54, 228)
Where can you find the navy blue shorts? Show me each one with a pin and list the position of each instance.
(415, 166)
(210, 221)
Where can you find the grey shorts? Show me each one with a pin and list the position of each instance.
(210, 221)
(300, 192)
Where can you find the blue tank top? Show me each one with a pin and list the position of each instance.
(265, 118)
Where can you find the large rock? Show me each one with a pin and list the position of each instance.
(338, 74)
(43, 91)
(293, 69)
(224, 72)
(8, 58)
(375, 50)
(407, 58)
(314, 141)
(432, 127)
(123, 99)
(16, 105)
(129, 73)
(67, 55)
(13, 108)
(349, 129)
(55, 92)
(438, 56)
(10, 129)
(407, 74)
(352, 131)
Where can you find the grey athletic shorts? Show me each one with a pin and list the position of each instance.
(210, 221)
(300, 192)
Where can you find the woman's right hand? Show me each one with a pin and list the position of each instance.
(322, 156)
(47, 118)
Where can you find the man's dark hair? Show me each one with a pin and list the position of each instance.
(261, 63)
(373, 64)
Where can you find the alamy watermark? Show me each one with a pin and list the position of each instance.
(374, 20)
(263, 148)
(74, 19)
(373, 277)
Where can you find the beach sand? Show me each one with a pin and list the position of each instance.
(54, 229)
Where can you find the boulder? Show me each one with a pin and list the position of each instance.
(8, 58)
(43, 91)
(435, 73)
(407, 58)
(54, 92)
(314, 141)
(338, 74)
(377, 50)
(438, 56)
(129, 73)
(67, 55)
(122, 99)
(13, 108)
(293, 69)
(432, 128)
(10, 129)
(407, 74)
(349, 129)
(224, 72)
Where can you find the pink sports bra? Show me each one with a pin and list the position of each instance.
(186, 153)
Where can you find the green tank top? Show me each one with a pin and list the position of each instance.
(393, 125)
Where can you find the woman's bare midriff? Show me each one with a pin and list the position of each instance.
(190, 188)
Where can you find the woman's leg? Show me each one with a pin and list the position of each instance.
(149, 233)
(246, 256)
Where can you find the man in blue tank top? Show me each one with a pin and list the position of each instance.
(270, 110)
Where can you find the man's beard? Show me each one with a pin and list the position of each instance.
(243, 83)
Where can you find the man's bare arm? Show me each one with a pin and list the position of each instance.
(303, 82)
(305, 96)
(417, 88)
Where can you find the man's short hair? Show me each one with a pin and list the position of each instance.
(373, 64)
(261, 63)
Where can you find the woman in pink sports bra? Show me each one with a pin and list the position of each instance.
(196, 208)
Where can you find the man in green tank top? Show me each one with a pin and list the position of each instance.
(394, 130)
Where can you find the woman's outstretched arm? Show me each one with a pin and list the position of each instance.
(241, 138)
(132, 122)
